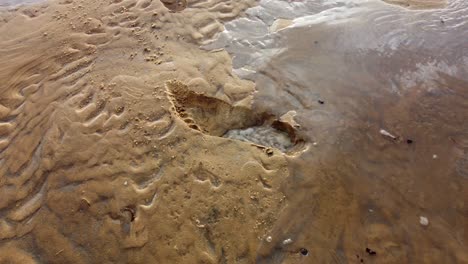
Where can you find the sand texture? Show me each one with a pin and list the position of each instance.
(127, 137)
(99, 164)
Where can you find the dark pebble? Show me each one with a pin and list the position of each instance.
(371, 252)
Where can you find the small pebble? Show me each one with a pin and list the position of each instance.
(269, 239)
(287, 241)
(434, 156)
(371, 252)
(269, 152)
(423, 221)
(387, 134)
(125, 183)
(315, 143)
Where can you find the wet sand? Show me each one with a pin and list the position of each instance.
(122, 141)
(357, 195)
(357, 189)
(98, 162)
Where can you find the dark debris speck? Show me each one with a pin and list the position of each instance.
(371, 252)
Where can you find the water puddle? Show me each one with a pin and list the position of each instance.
(218, 118)
(262, 135)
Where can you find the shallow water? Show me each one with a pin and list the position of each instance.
(373, 66)
(265, 136)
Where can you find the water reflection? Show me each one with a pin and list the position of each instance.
(350, 69)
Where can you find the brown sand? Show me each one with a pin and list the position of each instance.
(98, 162)
(418, 4)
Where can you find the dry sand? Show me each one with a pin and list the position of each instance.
(99, 164)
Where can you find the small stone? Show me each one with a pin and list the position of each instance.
(371, 252)
(385, 133)
(434, 156)
(269, 239)
(287, 241)
(423, 221)
(125, 183)
(269, 152)
(315, 144)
